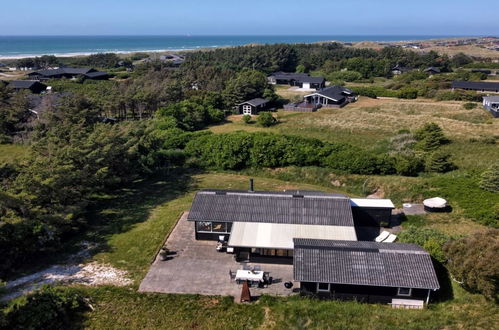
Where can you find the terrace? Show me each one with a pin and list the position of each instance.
(195, 267)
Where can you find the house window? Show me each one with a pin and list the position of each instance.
(323, 287)
(219, 227)
(213, 227)
(204, 226)
(246, 109)
(404, 292)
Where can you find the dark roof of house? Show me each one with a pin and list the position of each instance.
(96, 74)
(432, 68)
(271, 207)
(401, 68)
(300, 77)
(478, 85)
(481, 71)
(73, 71)
(363, 263)
(24, 84)
(334, 92)
(255, 102)
(289, 75)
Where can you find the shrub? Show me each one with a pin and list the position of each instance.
(409, 165)
(429, 239)
(408, 93)
(247, 119)
(469, 105)
(430, 137)
(345, 76)
(240, 150)
(48, 308)
(266, 119)
(473, 262)
(490, 179)
(439, 162)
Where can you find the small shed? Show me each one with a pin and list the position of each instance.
(32, 85)
(252, 107)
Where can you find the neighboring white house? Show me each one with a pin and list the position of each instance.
(491, 103)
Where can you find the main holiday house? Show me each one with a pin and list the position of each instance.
(326, 238)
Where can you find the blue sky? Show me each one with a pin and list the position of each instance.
(255, 17)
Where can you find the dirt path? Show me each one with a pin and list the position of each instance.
(73, 272)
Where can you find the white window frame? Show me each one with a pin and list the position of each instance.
(246, 109)
(404, 294)
(323, 290)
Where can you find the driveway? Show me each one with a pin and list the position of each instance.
(195, 267)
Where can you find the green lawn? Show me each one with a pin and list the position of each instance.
(125, 309)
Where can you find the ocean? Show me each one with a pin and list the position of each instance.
(24, 46)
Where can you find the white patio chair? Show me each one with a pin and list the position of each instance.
(383, 236)
(390, 239)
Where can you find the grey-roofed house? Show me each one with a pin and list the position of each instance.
(65, 72)
(491, 103)
(393, 273)
(252, 107)
(432, 70)
(32, 85)
(481, 86)
(302, 80)
(399, 69)
(331, 97)
(263, 224)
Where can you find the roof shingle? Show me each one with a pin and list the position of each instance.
(271, 207)
(363, 263)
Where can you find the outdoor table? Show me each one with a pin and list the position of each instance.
(248, 275)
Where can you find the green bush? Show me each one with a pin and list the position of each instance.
(439, 162)
(469, 105)
(408, 93)
(247, 119)
(408, 165)
(473, 262)
(266, 119)
(429, 239)
(241, 150)
(48, 308)
(349, 76)
(430, 137)
(490, 179)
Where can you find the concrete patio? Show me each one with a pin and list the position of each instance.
(195, 267)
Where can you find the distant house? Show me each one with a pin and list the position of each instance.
(252, 107)
(32, 85)
(88, 73)
(491, 103)
(481, 71)
(394, 273)
(331, 97)
(302, 80)
(398, 69)
(481, 86)
(175, 59)
(432, 70)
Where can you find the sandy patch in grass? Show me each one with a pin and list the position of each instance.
(93, 273)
